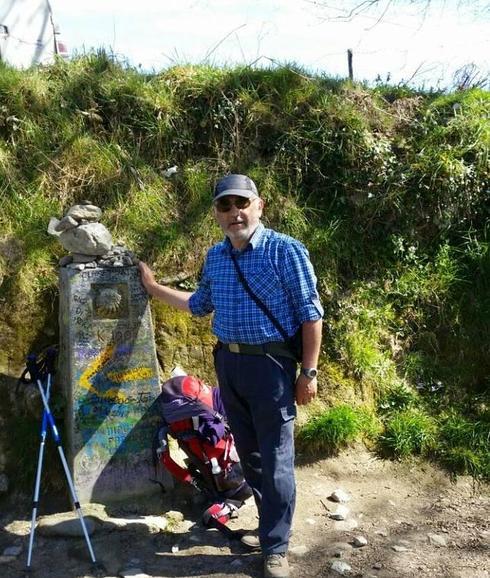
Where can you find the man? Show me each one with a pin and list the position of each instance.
(254, 364)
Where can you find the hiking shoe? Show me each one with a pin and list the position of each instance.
(251, 542)
(276, 566)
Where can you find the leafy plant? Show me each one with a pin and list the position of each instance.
(336, 428)
(409, 432)
(464, 444)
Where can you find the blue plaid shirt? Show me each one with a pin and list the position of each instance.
(279, 272)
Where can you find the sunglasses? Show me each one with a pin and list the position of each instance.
(225, 204)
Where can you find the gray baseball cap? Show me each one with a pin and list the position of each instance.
(240, 185)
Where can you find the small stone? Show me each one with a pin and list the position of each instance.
(12, 551)
(175, 549)
(377, 566)
(399, 548)
(91, 239)
(65, 224)
(340, 567)
(340, 513)
(437, 540)
(359, 541)
(382, 533)
(87, 212)
(339, 496)
(310, 521)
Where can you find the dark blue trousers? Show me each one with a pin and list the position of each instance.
(258, 395)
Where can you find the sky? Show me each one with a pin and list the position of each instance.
(423, 43)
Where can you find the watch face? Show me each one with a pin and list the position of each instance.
(311, 373)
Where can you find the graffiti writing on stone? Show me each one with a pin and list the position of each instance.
(111, 368)
(95, 369)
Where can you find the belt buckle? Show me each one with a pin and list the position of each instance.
(234, 347)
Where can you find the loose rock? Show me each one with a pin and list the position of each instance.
(340, 513)
(339, 496)
(437, 540)
(89, 213)
(65, 224)
(399, 548)
(340, 567)
(359, 541)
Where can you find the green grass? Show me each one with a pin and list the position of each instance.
(336, 428)
(388, 189)
(409, 432)
(464, 444)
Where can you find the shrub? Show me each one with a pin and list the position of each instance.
(337, 428)
(409, 432)
(396, 398)
(464, 444)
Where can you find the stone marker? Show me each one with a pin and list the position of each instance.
(108, 364)
(109, 372)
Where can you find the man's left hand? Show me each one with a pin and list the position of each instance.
(306, 389)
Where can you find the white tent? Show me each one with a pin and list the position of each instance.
(28, 34)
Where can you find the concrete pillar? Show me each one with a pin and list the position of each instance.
(109, 370)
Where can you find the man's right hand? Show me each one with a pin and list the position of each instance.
(172, 297)
(147, 277)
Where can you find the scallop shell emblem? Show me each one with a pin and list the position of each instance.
(108, 301)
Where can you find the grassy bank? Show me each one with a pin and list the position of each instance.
(388, 188)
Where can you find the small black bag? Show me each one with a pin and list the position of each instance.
(295, 343)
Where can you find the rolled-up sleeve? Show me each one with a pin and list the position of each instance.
(200, 302)
(300, 280)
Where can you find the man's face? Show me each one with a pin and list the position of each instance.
(239, 224)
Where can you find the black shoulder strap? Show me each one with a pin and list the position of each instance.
(257, 301)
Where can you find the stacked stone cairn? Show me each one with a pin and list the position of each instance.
(88, 241)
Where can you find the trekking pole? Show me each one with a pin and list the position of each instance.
(49, 369)
(57, 439)
(35, 502)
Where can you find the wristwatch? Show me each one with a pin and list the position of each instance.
(310, 372)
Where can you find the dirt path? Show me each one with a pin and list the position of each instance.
(417, 523)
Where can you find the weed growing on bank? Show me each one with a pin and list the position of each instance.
(337, 428)
(388, 188)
